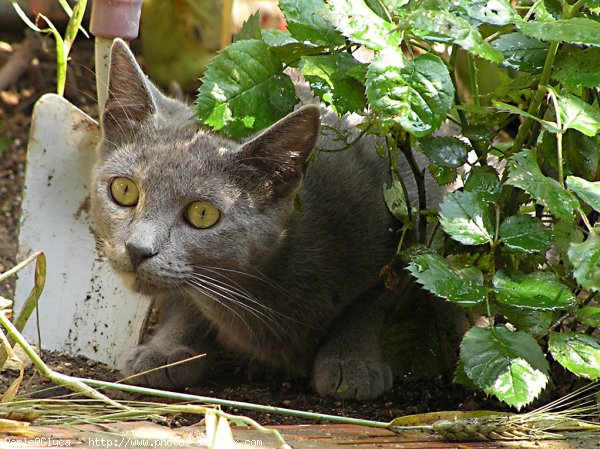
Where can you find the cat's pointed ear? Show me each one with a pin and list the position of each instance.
(129, 102)
(278, 155)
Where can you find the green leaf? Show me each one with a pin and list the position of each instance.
(587, 191)
(445, 151)
(578, 30)
(536, 323)
(250, 29)
(440, 25)
(415, 94)
(484, 181)
(418, 338)
(305, 22)
(580, 68)
(466, 218)
(361, 24)
(577, 114)
(585, 258)
(494, 12)
(525, 174)
(525, 233)
(550, 126)
(579, 353)
(462, 286)
(509, 365)
(538, 290)
(443, 175)
(395, 199)
(328, 78)
(582, 154)
(522, 52)
(288, 49)
(589, 315)
(244, 85)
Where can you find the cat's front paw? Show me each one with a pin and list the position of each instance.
(177, 377)
(352, 378)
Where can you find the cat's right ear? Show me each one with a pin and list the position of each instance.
(129, 102)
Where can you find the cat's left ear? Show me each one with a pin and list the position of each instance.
(278, 155)
(129, 102)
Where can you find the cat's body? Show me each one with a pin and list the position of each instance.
(294, 287)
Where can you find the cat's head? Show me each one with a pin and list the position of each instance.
(170, 198)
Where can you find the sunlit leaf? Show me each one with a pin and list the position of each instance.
(509, 365)
(525, 173)
(579, 353)
(415, 94)
(484, 181)
(585, 258)
(538, 290)
(466, 218)
(462, 286)
(577, 30)
(587, 191)
(244, 85)
(305, 22)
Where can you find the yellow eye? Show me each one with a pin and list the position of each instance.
(124, 192)
(202, 215)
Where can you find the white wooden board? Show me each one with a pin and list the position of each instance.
(85, 308)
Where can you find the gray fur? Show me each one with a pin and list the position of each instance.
(296, 290)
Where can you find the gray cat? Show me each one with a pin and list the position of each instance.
(208, 226)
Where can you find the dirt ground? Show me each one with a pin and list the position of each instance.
(231, 379)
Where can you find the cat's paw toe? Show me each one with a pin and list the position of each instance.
(353, 378)
(147, 365)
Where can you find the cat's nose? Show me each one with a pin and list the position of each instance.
(139, 252)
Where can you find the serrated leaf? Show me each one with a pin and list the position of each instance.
(484, 181)
(579, 68)
(288, 49)
(577, 30)
(440, 25)
(328, 77)
(415, 94)
(589, 315)
(443, 175)
(361, 24)
(525, 174)
(445, 151)
(585, 258)
(538, 290)
(522, 52)
(587, 191)
(462, 286)
(395, 199)
(577, 114)
(494, 12)
(537, 323)
(305, 22)
(525, 233)
(509, 365)
(466, 218)
(250, 29)
(244, 85)
(579, 353)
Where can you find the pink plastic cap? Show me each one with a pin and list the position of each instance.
(116, 18)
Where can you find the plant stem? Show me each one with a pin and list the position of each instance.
(72, 383)
(458, 101)
(538, 98)
(473, 79)
(230, 403)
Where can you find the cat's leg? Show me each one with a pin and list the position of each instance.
(349, 364)
(181, 335)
